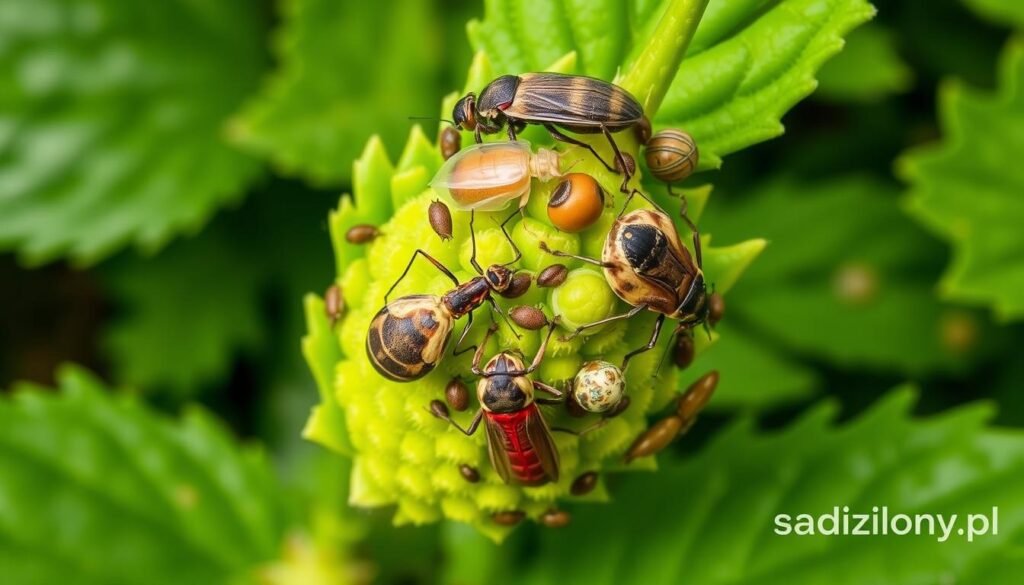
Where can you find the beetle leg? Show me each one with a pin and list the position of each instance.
(557, 135)
(432, 260)
(650, 344)
(479, 355)
(465, 332)
(586, 326)
(476, 134)
(543, 348)
(497, 309)
(508, 237)
(473, 424)
(619, 158)
(544, 246)
(559, 396)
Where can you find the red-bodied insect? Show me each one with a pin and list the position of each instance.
(648, 267)
(409, 336)
(518, 439)
(579, 104)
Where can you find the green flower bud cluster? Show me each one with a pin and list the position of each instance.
(403, 456)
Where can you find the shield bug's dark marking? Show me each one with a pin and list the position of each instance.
(552, 276)
(361, 234)
(450, 142)
(530, 318)
(410, 335)
(579, 104)
(456, 394)
(440, 219)
(576, 203)
(334, 303)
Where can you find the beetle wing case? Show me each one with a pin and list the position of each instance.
(485, 177)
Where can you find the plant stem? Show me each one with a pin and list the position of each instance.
(654, 69)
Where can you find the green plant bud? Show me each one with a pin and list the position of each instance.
(529, 232)
(583, 298)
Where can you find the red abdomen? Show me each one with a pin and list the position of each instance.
(524, 456)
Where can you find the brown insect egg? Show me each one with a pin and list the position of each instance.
(576, 202)
(508, 517)
(684, 350)
(361, 234)
(520, 284)
(716, 309)
(469, 473)
(552, 276)
(671, 155)
(584, 484)
(450, 142)
(529, 318)
(457, 395)
(555, 518)
(334, 303)
(440, 219)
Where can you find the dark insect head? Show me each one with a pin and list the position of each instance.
(499, 278)
(464, 113)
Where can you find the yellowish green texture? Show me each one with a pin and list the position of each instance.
(404, 457)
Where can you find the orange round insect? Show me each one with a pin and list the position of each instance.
(576, 203)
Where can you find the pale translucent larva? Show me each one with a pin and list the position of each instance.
(487, 177)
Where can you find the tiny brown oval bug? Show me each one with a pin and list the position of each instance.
(409, 336)
(334, 303)
(450, 142)
(649, 268)
(361, 234)
(671, 155)
(440, 219)
(529, 318)
(552, 276)
(580, 104)
(576, 203)
(456, 394)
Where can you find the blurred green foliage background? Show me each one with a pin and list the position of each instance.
(166, 170)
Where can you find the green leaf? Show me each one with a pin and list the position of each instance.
(311, 117)
(1009, 12)
(968, 189)
(738, 78)
(111, 121)
(860, 296)
(868, 69)
(105, 490)
(711, 519)
(184, 315)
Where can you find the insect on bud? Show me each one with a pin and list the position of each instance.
(552, 276)
(682, 355)
(440, 219)
(334, 303)
(438, 409)
(529, 318)
(584, 484)
(469, 473)
(716, 309)
(361, 234)
(457, 395)
(450, 142)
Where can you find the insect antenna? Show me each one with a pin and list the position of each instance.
(431, 118)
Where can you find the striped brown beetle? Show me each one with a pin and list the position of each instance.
(409, 336)
(579, 104)
(648, 267)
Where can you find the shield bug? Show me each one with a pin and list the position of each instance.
(579, 104)
(487, 177)
(671, 155)
(361, 234)
(518, 439)
(663, 432)
(450, 142)
(409, 335)
(576, 203)
(649, 268)
(440, 219)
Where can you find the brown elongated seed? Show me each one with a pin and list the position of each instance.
(450, 142)
(520, 284)
(438, 409)
(508, 517)
(469, 473)
(361, 234)
(529, 318)
(716, 309)
(655, 438)
(682, 354)
(630, 164)
(334, 303)
(552, 276)
(440, 219)
(555, 518)
(696, 396)
(456, 394)
(584, 483)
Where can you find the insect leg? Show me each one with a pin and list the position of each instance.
(558, 395)
(586, 326)
(472, 239)
(650, 344)
(479, 355)
(465, 332)
(557, 135)
(497, 309)
(473, 424)
(544, 246)
(543, 348)
(619, 158)
(508, 237)
(432, 260)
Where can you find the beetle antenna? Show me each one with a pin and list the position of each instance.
(432, 119)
